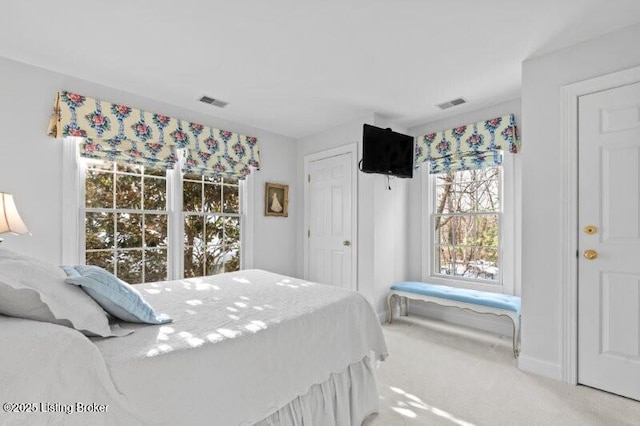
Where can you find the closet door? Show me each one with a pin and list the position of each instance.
(609, 241)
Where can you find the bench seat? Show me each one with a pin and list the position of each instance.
(477, 301)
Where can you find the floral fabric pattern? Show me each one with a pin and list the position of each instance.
(473, 146)
(123, 134)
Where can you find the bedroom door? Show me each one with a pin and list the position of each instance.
(609, 240)
(330, 222)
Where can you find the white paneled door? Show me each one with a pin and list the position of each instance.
(609, 241)
(329, 210)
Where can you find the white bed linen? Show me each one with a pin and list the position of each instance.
(346, 398)
(241, 347)
(49, 366)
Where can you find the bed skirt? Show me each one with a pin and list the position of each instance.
(346, 398)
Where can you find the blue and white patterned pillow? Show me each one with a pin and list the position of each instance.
(114, 295)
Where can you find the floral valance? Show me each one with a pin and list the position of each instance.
(124, 134)
(472, 146)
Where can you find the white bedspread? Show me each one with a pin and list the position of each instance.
(46, 369)
(241, 346)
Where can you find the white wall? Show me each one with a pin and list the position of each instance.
(275, 237)
(382, 225)
(542, 280)
(31, 163)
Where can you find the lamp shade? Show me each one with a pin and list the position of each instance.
(10, 220)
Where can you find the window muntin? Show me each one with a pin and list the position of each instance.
(126, 221)
(211, 208)
(466, 225)
(127, 215)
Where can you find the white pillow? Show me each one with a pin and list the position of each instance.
(115, 296)
(32, 289)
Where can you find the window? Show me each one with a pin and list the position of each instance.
(128, 218)
(211, 225)
(126, 221)
(466, 222)
(471, 225)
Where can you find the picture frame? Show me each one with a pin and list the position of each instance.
(276, 200)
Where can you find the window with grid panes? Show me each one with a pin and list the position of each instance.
(126, 221)
(211, 208)
(466, 221)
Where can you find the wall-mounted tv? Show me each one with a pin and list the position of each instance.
(386, 152)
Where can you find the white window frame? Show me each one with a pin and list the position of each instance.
(509, 256)
(73, 187)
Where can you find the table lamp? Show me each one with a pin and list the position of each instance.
(10, 220)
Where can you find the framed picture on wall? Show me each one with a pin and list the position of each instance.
(276, 200)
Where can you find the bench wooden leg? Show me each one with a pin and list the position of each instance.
(389, 304)
(515, 351)
(516, 338)
(401, 301)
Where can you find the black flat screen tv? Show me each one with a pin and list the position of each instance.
(386, 152)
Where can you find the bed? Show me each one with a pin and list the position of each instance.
(244, 348)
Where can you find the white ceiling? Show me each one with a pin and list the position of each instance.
(297, 67)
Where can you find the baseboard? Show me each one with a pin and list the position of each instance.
(484, 322)
(539, 367)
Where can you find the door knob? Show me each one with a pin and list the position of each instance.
(590, 254)
(346, 243)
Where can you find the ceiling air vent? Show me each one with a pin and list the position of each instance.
(214, 101)
(452, 103)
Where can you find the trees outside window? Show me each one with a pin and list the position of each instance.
(127, 222)
(467, 221)
(211, 225)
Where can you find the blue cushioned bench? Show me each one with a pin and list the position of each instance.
(477, 301)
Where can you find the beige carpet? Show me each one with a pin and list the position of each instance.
(440, 374)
